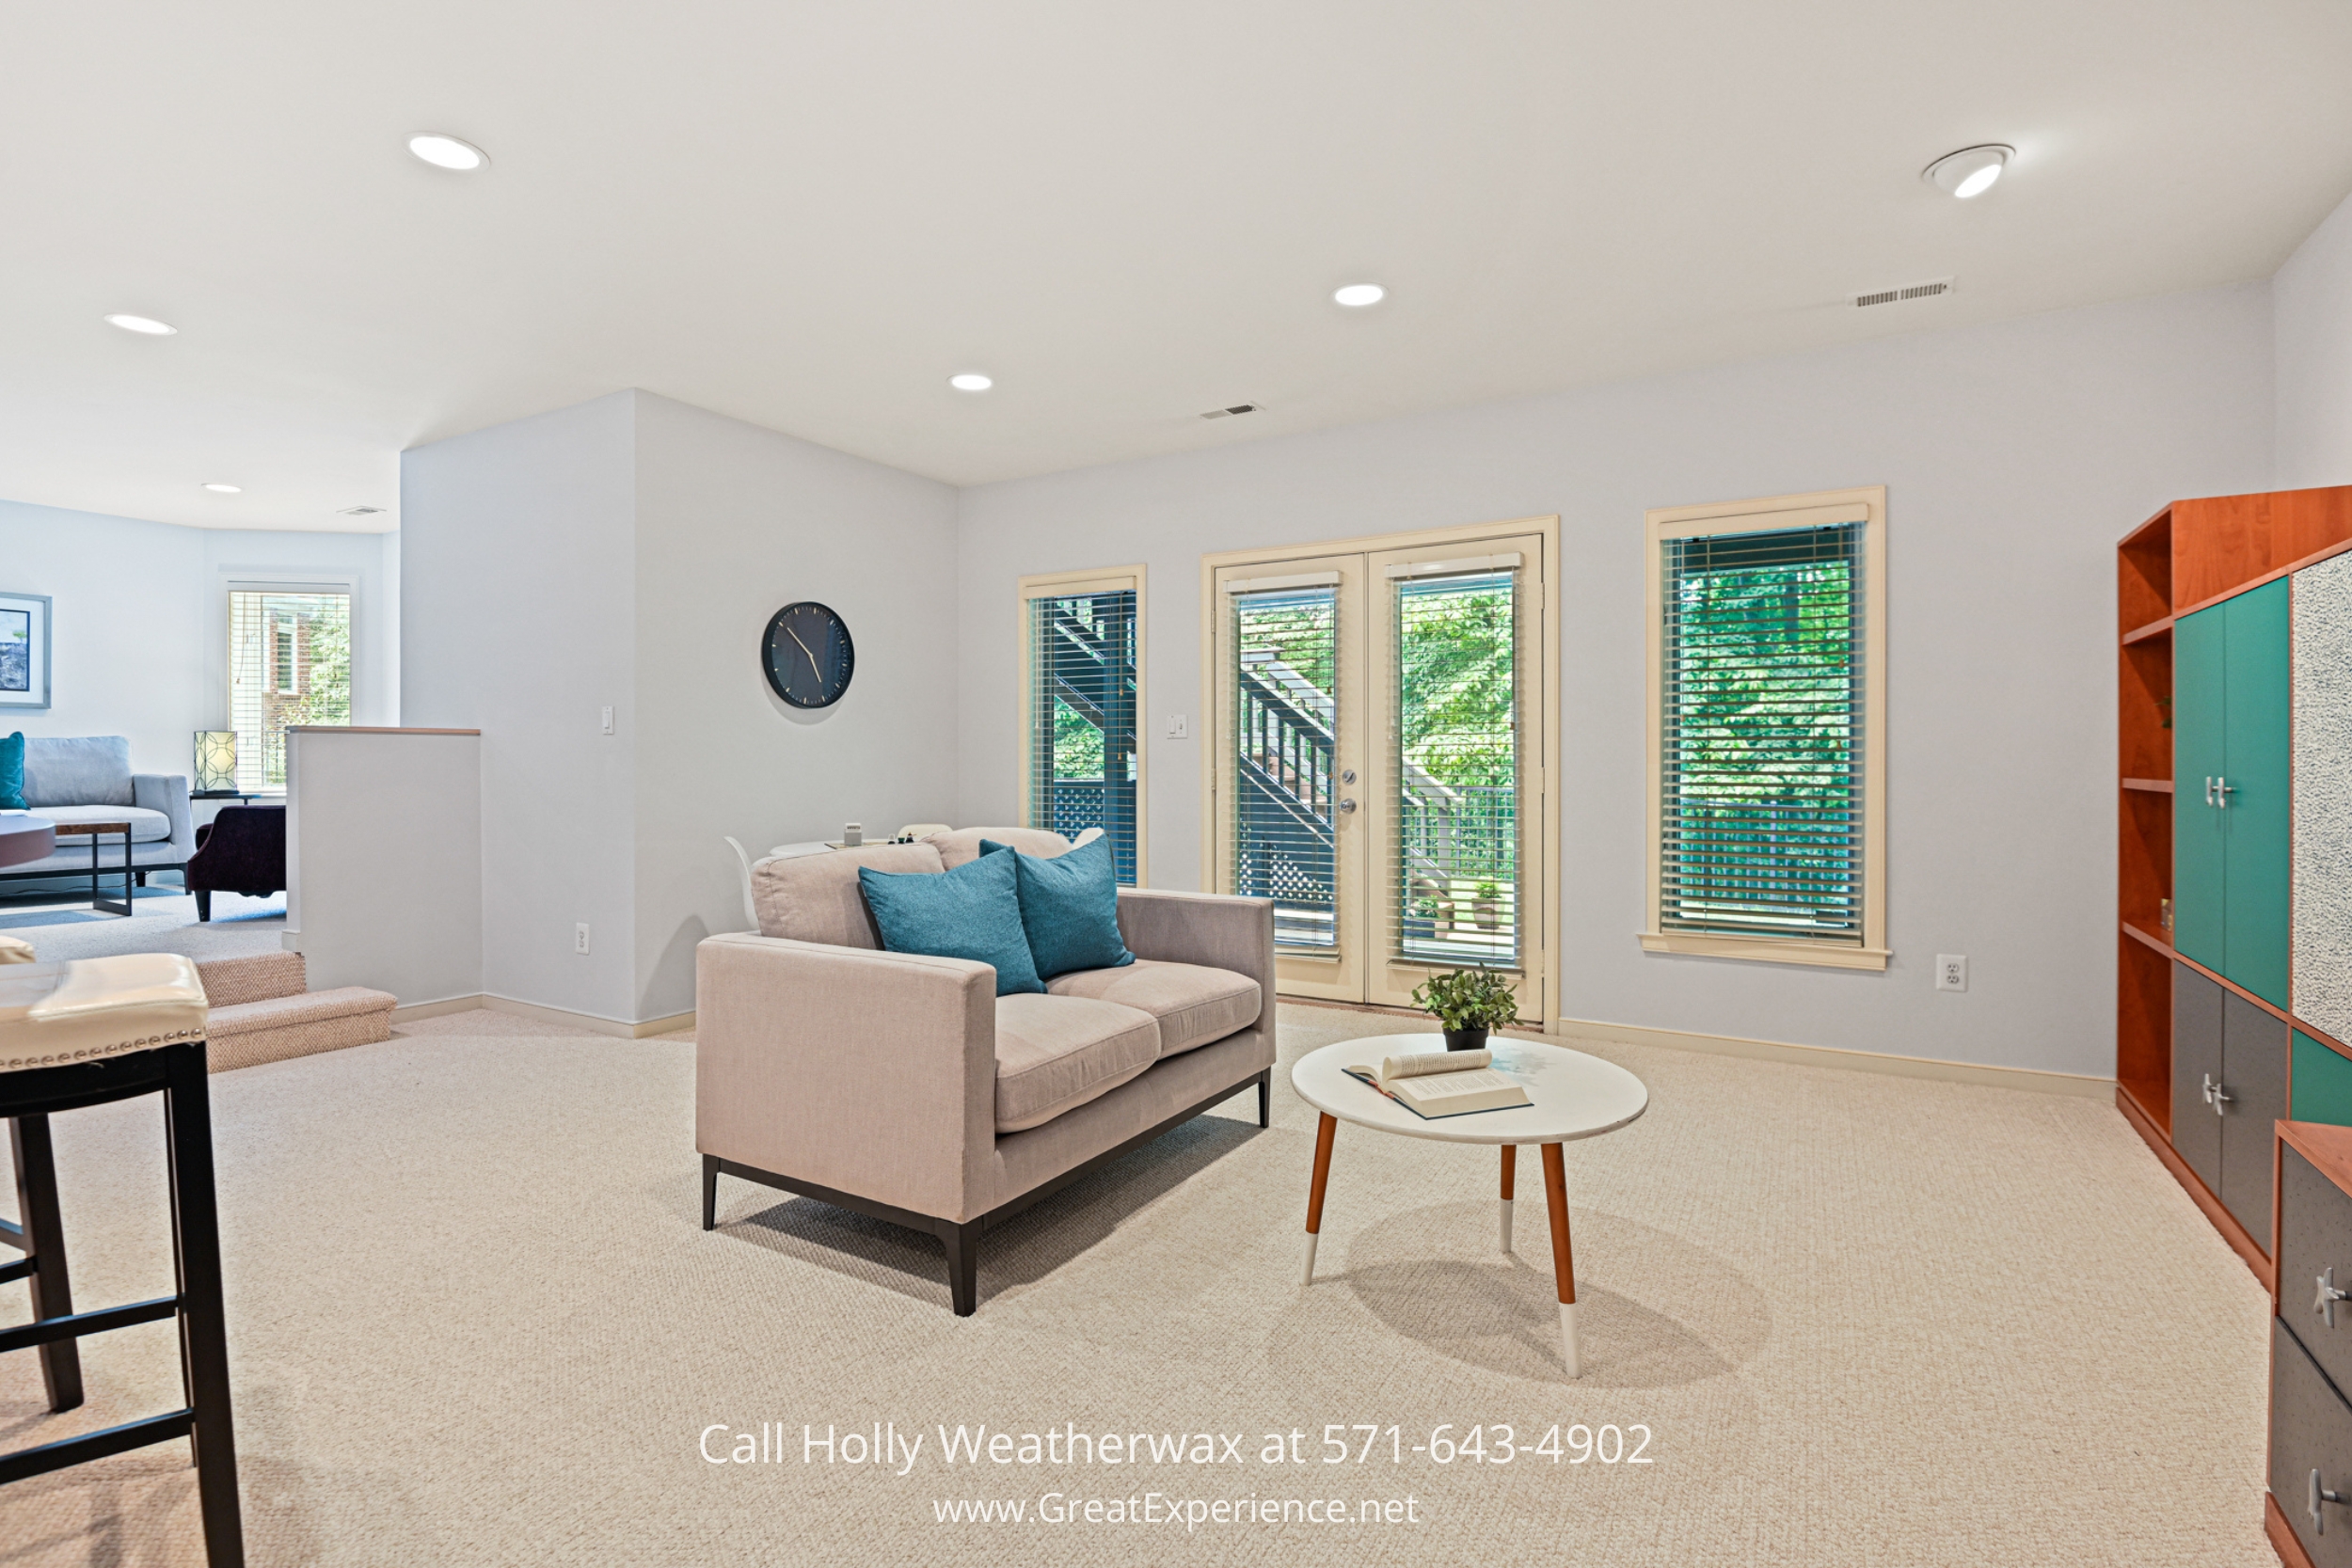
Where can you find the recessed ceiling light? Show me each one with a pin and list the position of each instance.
(1969, 171)
(146, 324)
(1357, 296)
(218, 489)
(447, 151)
(970, 381)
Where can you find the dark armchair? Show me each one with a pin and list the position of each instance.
(241, 851)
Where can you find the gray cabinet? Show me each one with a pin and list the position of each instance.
(2228, 1084)
(2311, 1435)
(2196, 1068)
(2315, 1260)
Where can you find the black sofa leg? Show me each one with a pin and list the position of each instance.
(1265, 1097)
(962, 1243)
(711, 1191)
(203, 904)
(43, 1240)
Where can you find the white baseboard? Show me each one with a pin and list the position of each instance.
(2030, 1079)
(611, 1026)
(435, 1010)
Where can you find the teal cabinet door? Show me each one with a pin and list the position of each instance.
(2257, 825)
(2323, 1083)
(2199, 644)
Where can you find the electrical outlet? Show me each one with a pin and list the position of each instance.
(608, 721)
(1176, 728)
(580, 937)
(1951, 972)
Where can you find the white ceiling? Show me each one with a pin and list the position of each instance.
(809, 215)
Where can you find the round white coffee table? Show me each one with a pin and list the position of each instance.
(1575, 1095)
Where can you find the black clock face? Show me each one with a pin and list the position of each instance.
(807, 654)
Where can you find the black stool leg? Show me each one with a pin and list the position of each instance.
(45, 1247)
(203, 1337)
(711, 1191)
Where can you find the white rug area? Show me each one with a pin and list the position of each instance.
(473, 1319)
(165, 923)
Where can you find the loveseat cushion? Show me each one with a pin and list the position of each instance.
(817, 897)
(77, 770)
(1054, 1052)
(147, 827)
(1193, 1004)
(972, 912)
(963, 847)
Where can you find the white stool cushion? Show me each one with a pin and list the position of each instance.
(15, 950)
(52, 1014)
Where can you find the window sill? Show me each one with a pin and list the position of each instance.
(1766, 950)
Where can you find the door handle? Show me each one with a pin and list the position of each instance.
(1347, 805)
(2321, 1495)
(2325, 1302)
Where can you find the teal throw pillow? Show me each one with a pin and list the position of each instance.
(973, 912)
(12, 772)
(1070, 908)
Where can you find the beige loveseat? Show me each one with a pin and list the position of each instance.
(904, 1088)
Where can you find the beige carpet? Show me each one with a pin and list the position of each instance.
(1865, 1319)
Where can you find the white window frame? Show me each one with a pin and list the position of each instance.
(1100, 579)
(1819, 508)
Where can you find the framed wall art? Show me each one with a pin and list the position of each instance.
(23, 652)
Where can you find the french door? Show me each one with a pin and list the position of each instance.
(1381, 758)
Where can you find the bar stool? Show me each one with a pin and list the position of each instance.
(87, 1033)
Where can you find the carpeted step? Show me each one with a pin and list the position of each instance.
(274, 1028)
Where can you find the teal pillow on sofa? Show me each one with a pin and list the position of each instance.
(12, 772)
(1069, 907)
(973, 912)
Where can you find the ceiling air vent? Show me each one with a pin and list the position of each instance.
(1229, 413)
(358, 511)
(1896, 296)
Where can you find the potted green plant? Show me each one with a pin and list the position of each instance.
(1467, 1002)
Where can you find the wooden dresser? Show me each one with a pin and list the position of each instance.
(2308, 1512)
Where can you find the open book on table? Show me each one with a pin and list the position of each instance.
(1434, 1084)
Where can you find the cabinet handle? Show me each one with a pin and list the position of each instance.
(2222, 790)
(2321, 1495)
(2214, 1095)
(2325, 1303)
(2209, 789)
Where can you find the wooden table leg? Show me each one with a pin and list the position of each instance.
(1510, 1182)
(1563, 1263)
(1326, 1130)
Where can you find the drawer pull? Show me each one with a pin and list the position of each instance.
(2321, 1495)
(2325, 1303)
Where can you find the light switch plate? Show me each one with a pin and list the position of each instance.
(580, 937)
(1177, 729)
(1951, 972)
(608, 721)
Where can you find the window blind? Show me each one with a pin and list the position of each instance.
(1761, 776)
(1082, 705)
(289, 663)
(1453, 893)
(1282, 684)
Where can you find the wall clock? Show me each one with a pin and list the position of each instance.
(807, 654)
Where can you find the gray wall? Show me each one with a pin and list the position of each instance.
(562, 564)
(2312, 298)
(734, 522)
(139, 622)
(2015, 455)
(519, 619)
